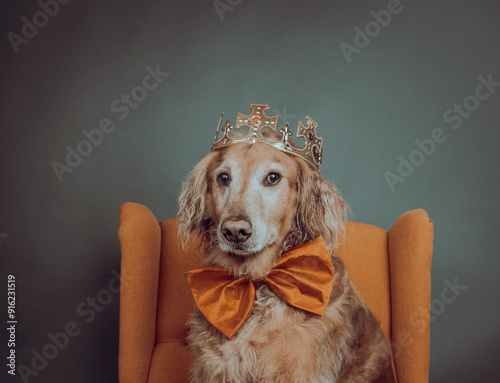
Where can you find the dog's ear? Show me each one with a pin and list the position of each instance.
(191, 213)
(321, 211)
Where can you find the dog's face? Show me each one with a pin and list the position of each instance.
(252, 198)
(250, 202)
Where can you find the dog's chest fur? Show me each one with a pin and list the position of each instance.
(277, 343)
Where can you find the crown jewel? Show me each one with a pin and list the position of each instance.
(257, 123)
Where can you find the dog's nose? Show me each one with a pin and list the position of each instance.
(236, 230)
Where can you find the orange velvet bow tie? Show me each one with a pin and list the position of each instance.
(302, 277)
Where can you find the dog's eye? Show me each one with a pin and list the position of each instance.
(272, 179)
(223, 179)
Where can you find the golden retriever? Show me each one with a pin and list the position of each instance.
(248, 203)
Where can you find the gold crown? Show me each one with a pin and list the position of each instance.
(257, 121)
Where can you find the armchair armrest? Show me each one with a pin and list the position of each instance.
(410, 251)
(140, 241)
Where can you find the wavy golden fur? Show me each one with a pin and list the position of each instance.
(248, 204)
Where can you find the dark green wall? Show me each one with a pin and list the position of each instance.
(60, 238)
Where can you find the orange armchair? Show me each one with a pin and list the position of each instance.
(391, 270)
